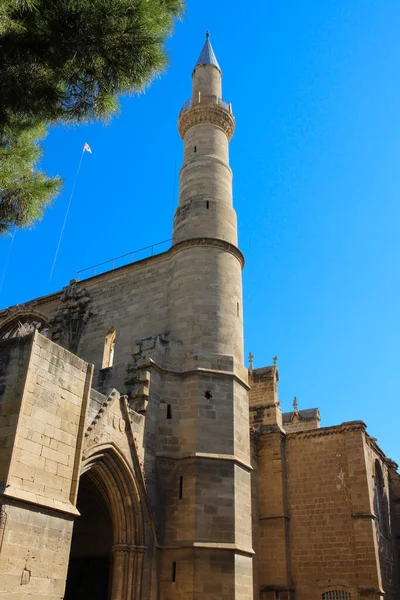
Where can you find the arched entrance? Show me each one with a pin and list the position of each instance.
(106, 559)
(91, 547)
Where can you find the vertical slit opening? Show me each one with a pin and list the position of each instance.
(109, 349)
(207, 204)
(180, 487)
(195, 149)
(238, 309)
(173, 571)
(169, 411)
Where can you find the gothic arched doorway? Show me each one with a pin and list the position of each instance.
(108, 537)
(91, 547)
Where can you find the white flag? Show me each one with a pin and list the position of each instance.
(87, 148)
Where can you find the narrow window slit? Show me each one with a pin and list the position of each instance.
(181, 487)
(169, 411)
(109, 349)
(195, 149)
(238, 309)
(207, 204)
(173, 572)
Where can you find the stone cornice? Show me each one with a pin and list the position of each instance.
(391, 464)
(14, 495)
(204, 456)
(342, 428)
(214, 242)
(149, 363)
(206, 113)
(210, 546)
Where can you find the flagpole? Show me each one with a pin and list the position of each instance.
(66, 214)
(7, 259)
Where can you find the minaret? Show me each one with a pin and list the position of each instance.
(207, 539)
(205, 216)
(206, 125)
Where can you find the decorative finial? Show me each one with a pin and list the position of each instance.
(251, 359)
(295, 406)
(207, 34)
(275, 359)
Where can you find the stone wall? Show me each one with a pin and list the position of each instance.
(14, 358)
(298, 424)
(320, 527)
(43, 411)
(334, 542)
(263, 397)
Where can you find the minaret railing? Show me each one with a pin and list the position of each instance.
(206, 99)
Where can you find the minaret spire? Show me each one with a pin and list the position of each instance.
(206, 124)
(207, 55)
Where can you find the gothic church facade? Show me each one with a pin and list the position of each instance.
(141, 460)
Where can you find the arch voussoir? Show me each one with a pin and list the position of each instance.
(110, 471)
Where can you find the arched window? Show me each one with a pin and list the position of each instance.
(109, 348)
(380, 501)
(336, 595)
(23, 324)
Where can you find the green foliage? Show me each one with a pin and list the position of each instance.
(24, 193)
(68, 61)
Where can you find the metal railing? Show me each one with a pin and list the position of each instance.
(206, 99)
(122, 261)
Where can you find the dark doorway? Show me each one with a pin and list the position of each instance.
(89, 563)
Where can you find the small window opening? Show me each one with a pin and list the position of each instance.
(173, 572)
(207, 204)
(109, 349)
(238, 309)
(207, 394)
(181, 487)
(169, 411)
(195, 149)
(336, 595)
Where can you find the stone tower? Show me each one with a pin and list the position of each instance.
(213, 515)
(124, 440)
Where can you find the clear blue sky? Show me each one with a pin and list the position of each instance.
(315, 88)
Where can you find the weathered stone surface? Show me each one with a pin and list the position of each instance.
(146, 485)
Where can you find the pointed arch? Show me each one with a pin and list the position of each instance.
(22, 323)
(110, 472)
(109, 469)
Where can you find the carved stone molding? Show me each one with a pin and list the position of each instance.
(128, 549)
(207, 113)
(97, 431)
(222, 244)
(71, 317)
(20, 327)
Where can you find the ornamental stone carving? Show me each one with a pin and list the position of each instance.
(22, 326)
(70, 319)
(206, 113)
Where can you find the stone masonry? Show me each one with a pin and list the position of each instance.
(140, 459)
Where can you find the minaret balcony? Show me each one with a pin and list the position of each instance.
(206, 109)
(206, 99)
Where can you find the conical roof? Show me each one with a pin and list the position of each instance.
(207, 56)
